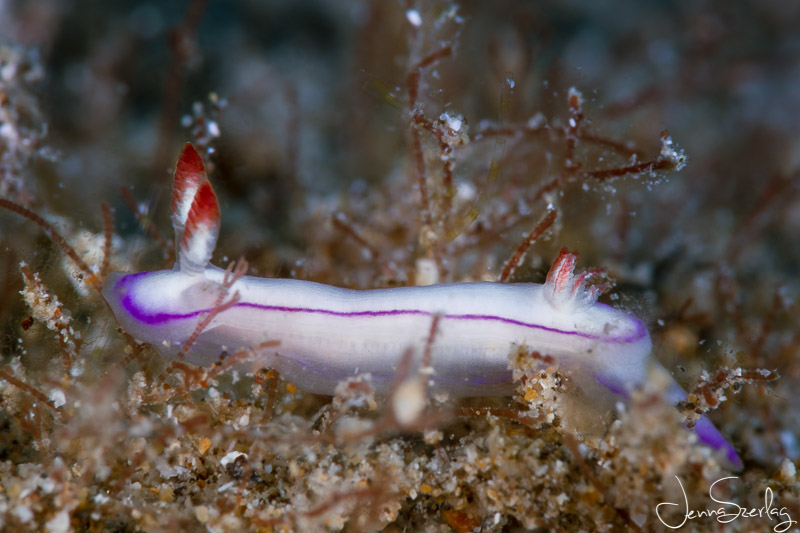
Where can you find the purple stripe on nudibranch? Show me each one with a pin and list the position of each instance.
(610, 386)
(710, 435)
(144, 317)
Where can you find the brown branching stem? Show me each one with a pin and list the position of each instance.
(234, 271)
(54, 236)
(412, 83)
(512, 132)
(60, 325)
(341, 223)
(108, 234)
(576, 117)
(445, 151)
(602, 175)
(21, 385)
(181, 45)
(519, 254)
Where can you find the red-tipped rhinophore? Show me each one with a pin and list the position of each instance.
(190, 174)
(195, 211)
(202, 229)
(564, 289)
(560, 274)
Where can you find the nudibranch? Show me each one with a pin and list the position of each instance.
(326, 334)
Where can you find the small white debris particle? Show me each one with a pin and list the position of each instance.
(426, 272)
(536, 121)
(47, 485)
(213, 128)
(202, 514)
(166, 470)
(788, 470)
(669, 152)
(575, 94)
(57, 397)
(24, 514)
(408, 401)
(465, 192)
(433, 436)
(7, 132)
(414, 18)
(59, 523)
(231, 457)
(226, 486)
(454, 122)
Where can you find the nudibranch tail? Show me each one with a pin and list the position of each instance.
(707, 432)
(622, 383)
(709, 435)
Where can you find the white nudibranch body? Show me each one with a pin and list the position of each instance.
(328, 334)
(322, 334)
